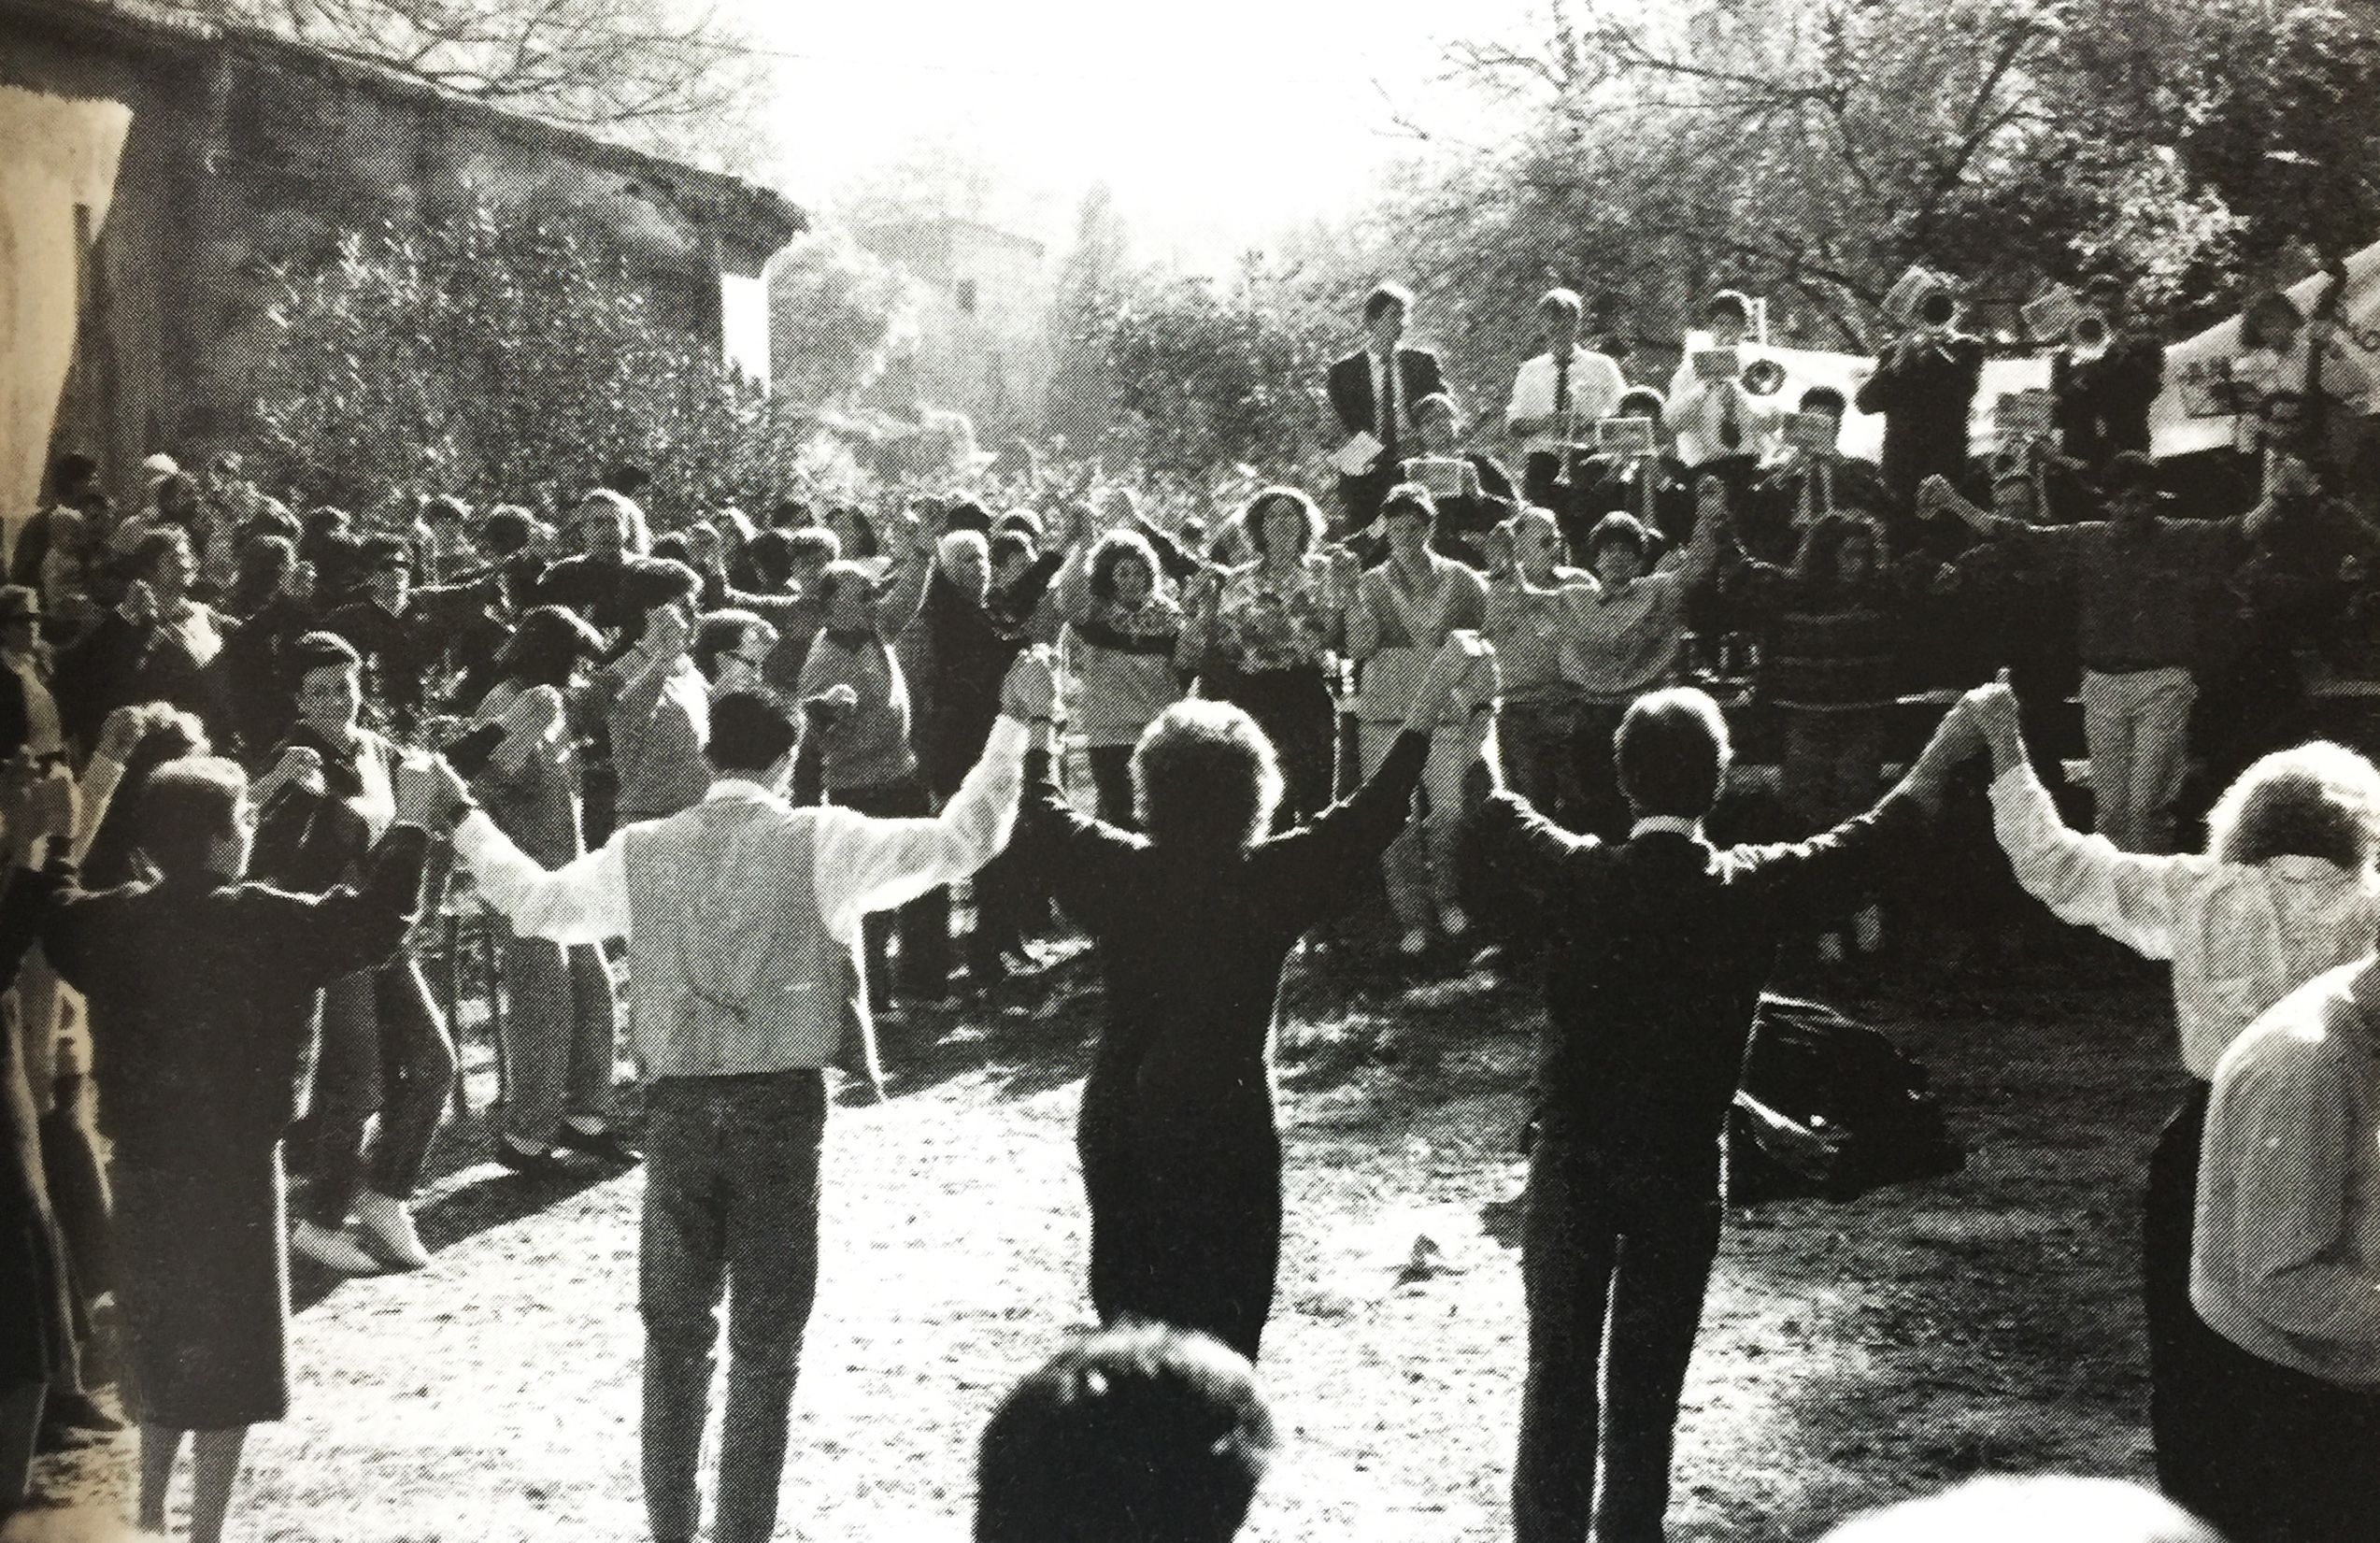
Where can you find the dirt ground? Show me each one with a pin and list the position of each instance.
(1851, 1353)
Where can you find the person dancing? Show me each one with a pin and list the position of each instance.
(2285, 889)
(1181, 1156)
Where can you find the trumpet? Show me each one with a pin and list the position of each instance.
(1762, 377)
(2088, 337)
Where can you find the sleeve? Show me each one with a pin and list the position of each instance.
(2290, 1136)
(1076, 853)
(867, 864)
(363, 921)
(1526, 394)
(1338, 384)
(2134, 899)
(23, 907)
(1612, 383)
(1881, 391)
(1511, 843)
(1830, 869)
(1178, 564)
(1686, 391)
(1318, 858)
(584, 901)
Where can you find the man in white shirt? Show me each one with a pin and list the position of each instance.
(1557, 396)
(1722, 430)
(2287, 1264)
(743, 918)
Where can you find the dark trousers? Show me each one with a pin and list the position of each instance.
(1111, 778)
(1295, 709)
(731, 1204)
(2298, 1460)
(925, 960)
(2191, 1417)
(1600, 1246)
(385, 1049)
(1185, 1217)
(1601, 809)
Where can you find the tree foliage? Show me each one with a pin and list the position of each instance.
(497, 361)
(838, 315)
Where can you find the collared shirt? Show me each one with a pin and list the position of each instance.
(1669, 824)
(1697, 413)
(2240, 936)
(1595, 386)
(2286, 1257)
(2138, 592)
(861, 865)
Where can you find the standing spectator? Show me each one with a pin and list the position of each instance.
(270, 604)
(1650, 485)
(786, 564)
(610, 529)
(854, 533)
(561, 1022)
(742, 917)
(2104, 388)
(2286, 1264)
(74, 488)
(659, 704)
(1663, 944)
(730, 648)
(326, 804)
(1527, 615)
(1556, 398)
(1180, 1148)
(154, 646)
(2285, 891)
(1263, 636)
(403, 632)
(201, 1071)
(1143, 1434)
(1925, 386)
(1404, 612)
(2140, 577)
(1484, 498)
(335, 553)
(1372, 392)
(1124, 645)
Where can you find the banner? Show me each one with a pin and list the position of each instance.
(1864, 433)
(2209, 377)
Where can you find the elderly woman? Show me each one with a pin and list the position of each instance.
(2285, 891)
(1124, 644)
(1181, 1157)
(1263, 632)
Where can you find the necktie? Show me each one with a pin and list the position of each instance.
(1388, 409)
(1731, 430)
(1561, 396)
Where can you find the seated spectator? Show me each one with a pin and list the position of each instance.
(1144, 1435)
(2050, 1508)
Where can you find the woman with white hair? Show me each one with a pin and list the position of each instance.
(2285, 891)
(1193, 920)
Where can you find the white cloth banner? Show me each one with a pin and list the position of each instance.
(2192, 414)
(1864, 433)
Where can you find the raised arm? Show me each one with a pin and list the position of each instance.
(2085, 880)
(361, 923)
(1710, 524)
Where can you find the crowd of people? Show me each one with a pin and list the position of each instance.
(752, 763)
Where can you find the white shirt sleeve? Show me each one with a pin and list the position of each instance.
(1531, 395)
(870, 865)
(2132, 898)
(585, 901)
(1603, 387)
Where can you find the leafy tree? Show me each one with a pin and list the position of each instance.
(837, 314)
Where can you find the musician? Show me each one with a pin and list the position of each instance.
(1372, 390)
(1485, 498)
(1925, 385)
(1653, 488)
(1556, 395)
(2103, 379)
(1798, 483)
(1723, 429)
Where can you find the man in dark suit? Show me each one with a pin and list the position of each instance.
(1374, 390)
(1663, 944)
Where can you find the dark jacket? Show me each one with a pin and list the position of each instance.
(1925, 389)
(1351, 395)
(2102, 405)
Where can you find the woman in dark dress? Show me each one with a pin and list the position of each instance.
(200, 1067)
(1181, 1157)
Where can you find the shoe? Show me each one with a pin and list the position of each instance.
(1455, 921)
(1867, 929)
(78, 1410)
(537, 1165)
(333, 1251)
(388, 1228)
(603, 1146)
(1414, 944)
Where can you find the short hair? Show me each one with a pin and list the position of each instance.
(1728, 303)
(1828, 534)
(1023, 521)
(71, 469)
(1409, 501)
(1205, 776)
(723, 632)
(186, 806)
(812, 544)
(508, 528)
(1112, 551)
(865, 542)
(648, 581)
(670, 547)
(1564, 302)
(1009, 546)
(1648, 402)
(1672, 753)
(2041, 1507)
(628, 479)
(272, 520)
(945, 552)
(1438, 401)
(376, 550)
(838, 573)
(771, 554)
(446, 508)
(750, 733)
(1620, 528)
(788, 513)
(2318, 799)
(967, 515)
(1825, 399)
(1143, 1433)
(546, 644)
(267, 553)
(1252, 518)
(318, 650)
(1382, 298)
(156, 544)
(623, 508)
(2268, 317)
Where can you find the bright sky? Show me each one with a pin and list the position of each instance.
(1214, 121)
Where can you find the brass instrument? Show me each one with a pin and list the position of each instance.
(1762, 377)
(2088, 337)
